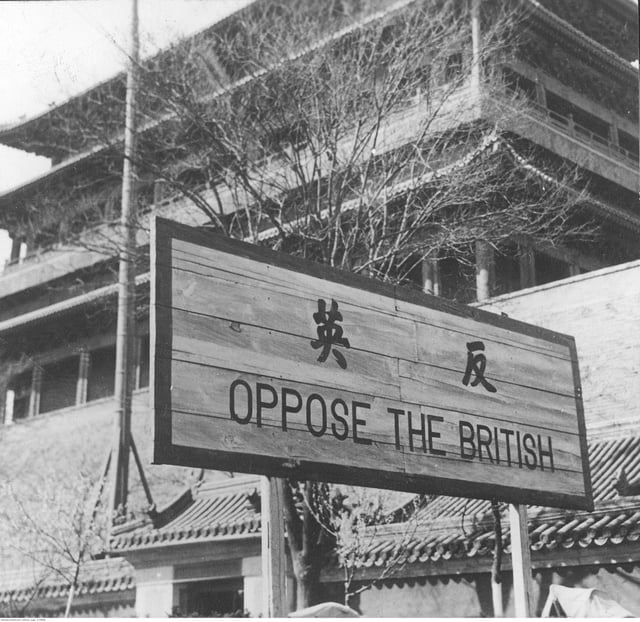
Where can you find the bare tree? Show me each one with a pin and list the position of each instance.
(53, 519)
(344, 525)
(355, 138)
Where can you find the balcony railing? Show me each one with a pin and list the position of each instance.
(568, 126)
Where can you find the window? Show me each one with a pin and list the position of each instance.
(507, 271)
(548, 269)
(457, 280)
(20, 387)
(628, 142)
(59, 385)
(143, 368)
(69, 382)
(519, 84)
(101, 378)
(453, 67)
(212, 598)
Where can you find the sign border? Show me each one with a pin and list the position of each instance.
(165, 452)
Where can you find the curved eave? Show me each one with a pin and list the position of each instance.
(13, 135)
(577, 37)
(31, 318)
(55, 171)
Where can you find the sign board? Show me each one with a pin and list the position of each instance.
(265, 363)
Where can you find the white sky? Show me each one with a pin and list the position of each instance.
(53, 50)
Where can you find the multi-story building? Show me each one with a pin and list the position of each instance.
(198, 548)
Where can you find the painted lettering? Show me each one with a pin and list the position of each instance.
(248, 401)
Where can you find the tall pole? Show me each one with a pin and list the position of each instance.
(273, 548)
(521, 561)
(126, 279)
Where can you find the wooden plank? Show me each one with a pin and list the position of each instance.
(161, 339)
(512, 364)
(443, 388)
(367, 331)
(205, 421)
(173, 232)
(255, 303)
(211, 397)
(261, 450)
(521, 561)
(240, 270)
(253, 379)
(259, 350)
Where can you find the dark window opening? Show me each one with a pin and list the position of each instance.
(412, 269)
(586, 124)
(59, 385)
(628, 142)
(415, 80)
(453, 67)
(21, 387)
(507, 272)
(143, 378)
(519, 84)
(101, 380)
(457, 280)
(212, 598)
(549, 269)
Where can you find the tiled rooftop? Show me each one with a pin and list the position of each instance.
(96, 577)
(444, 528)
(215, 510)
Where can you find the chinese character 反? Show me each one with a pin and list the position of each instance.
(476, 364)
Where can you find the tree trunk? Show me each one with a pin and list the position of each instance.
(306, 544)
(305, 592)
(72, 590)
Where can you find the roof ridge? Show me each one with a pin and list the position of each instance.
(580, 37)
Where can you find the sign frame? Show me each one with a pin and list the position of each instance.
(161, 326)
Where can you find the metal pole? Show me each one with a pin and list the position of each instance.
(126, 279)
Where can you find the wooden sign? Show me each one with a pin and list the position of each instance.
(265, 363)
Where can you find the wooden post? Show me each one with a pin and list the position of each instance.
(430, 276)
(484, 263)
(541, 91)
(476, 47)
(14, 256)
(520, 560)
(9, 397)
(83, 377)
(527, 265)
(36, 390)
(126, 281)
(273, 549)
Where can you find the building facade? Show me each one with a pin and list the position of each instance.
(195, 547)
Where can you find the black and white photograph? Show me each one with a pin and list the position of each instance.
(319, 308)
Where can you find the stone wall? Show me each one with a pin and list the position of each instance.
(601, 309)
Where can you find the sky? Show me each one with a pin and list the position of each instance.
(51, 51)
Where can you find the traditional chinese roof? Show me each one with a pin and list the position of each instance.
(31, 318)
(14, 134)
(444, 529)
(210, 512)
(97, 577)
(568, 33)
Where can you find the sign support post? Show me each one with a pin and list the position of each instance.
(520, 560)
(273, 549)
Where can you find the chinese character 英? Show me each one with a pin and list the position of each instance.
(476, 364)
(329, 333)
